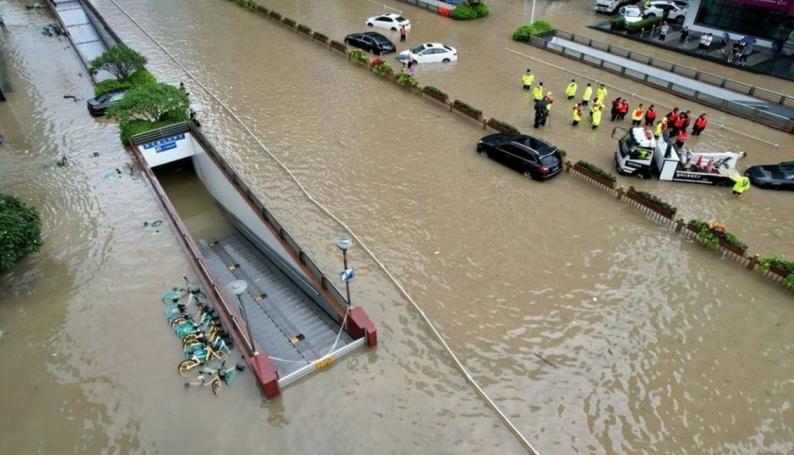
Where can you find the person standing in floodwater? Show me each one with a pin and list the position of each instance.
(402, 33)
(588, 93)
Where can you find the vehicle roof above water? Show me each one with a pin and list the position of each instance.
(374, 35)
(394, 16)
(542, 147)
(645, 138)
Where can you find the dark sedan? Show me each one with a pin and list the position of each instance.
(371, 42)
(530, 156)
(772, 176)
(97, 106)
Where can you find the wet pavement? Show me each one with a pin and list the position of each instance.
(654, 345)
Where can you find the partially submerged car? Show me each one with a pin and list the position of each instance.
(97, 106)
(528, 155)
(772, 176)
(372, 42)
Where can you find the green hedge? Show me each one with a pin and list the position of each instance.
(405, 80)
(536, 28)
(710, 234)
(341, 47)
(20, 231)
(324, 39)
(250, 4)
(467, 12)
(138, 78)
(655, 199)
(430, 90)
(357, 56)
(645, 23)
(467, 108)
(510, 129)
(382, 69)
(141, 126)
(289, 22)
(275, 15)
(304, 29)
(596, 170)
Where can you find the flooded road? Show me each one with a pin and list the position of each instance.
(652, 345)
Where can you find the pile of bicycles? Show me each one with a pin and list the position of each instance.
(205, 344)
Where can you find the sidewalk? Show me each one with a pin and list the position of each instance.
(761, 61)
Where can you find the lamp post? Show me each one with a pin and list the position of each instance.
(344, 243)
(532, 16)
(238, 287)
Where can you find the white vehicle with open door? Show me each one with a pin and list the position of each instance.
(640, 154)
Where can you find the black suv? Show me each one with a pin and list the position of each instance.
(371, 42)
(526, 154)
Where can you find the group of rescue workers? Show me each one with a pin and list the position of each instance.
(672, 126)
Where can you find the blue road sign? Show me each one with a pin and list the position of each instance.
(347, 275)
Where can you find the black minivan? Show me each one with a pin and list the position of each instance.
(528, 155)
(371, 42)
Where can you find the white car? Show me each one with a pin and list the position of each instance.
(630, 14)
(675, 12)
(430, 53)
(389, 21)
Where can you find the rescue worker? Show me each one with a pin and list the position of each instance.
(570, 91)
(596, 116)
(678, 125)
(541, 112)
(550, 99)
(637, 115)
(661, 126)
(681, 138)
(741, 184)
(588, 93)
(614, 111)
(576, 115)
(700, 124)
(687, 119)
(601, 93)
(672, 117)
(623, 109)
(527, 79)
(650, 115)
(537, 92)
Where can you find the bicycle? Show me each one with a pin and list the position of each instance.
(198, 359)
(220, 376)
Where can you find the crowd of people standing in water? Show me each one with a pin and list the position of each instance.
(673, 126)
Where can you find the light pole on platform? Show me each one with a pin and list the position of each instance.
(344, 243)
(238, 287)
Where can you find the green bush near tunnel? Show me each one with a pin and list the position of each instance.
(20, 231)
(119, 60)
(470, 10)
(148, 107)
(536, 28)
(138, 78)
(636, 27)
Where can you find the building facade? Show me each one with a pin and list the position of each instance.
(765, 20)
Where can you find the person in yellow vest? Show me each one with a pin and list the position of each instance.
(596, 116)
(601, 93)
(576, 115)
(637, 115)
(588, 93)
(537, 92)
(661, 126)
(570, 91)
(527, 79)
(741, 184)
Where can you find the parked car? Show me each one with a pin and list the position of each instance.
(611, 6)
(673, 10)
(371, 42)
(630, 14)
(430, 53)
(389, 21)
(97, 106)
(531, 156)
(772, 176)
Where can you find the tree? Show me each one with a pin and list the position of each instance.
(119, 60)
(20, 231)
(152, 103)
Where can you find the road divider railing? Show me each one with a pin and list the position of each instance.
(712, 235)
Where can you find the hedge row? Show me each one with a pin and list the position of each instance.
(596, 170)
(655, 199)
(524, 32)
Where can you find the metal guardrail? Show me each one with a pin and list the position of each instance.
(755, 114)
(160, 133)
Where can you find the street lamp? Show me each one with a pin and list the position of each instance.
(532, 16)
(238, 287)
(344, 243)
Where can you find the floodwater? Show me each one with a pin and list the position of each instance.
(653, 345)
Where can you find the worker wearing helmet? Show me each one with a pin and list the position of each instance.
(570, 91)
(537, 92)
(527, 79)
(741, 184)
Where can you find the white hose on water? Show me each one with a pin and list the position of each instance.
(506, 420)
(586, 77)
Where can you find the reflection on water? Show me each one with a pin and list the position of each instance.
(650, 344)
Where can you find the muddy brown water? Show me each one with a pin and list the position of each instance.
(657, 345)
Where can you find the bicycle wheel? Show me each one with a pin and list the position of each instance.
(216, 385)
(187, 365)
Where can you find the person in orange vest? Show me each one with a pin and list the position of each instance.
(650, 115)
(678, 125)
(681, 138)
(614, 111)
(700, 124)
(636, 116)
(623, 109)
(672, 117)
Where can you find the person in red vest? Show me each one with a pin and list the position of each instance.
(700, 124)
(650, 116)
(623, 109)
(687, 119)
(678, 125)
(614, 111)
(681, 138)
(672, 117)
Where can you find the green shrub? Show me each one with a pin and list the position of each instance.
(536, 28)
(289, 22)
(250, 4)
(119, 60)
(357, 56)
(470, 10)
(304, 29)
(20, 231)
(382, 69)
(710, 233)
(563, 154)
(503, 126)
(655, 200)
(645, 23)
(405, 80)
(788, 266)
(134, 127)
(275, 15)
(463, 107)
(436, 93)
(138, 78)
(262, 9)
(341, 47)
(324, 39)
(596, 170)
(617, 23)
